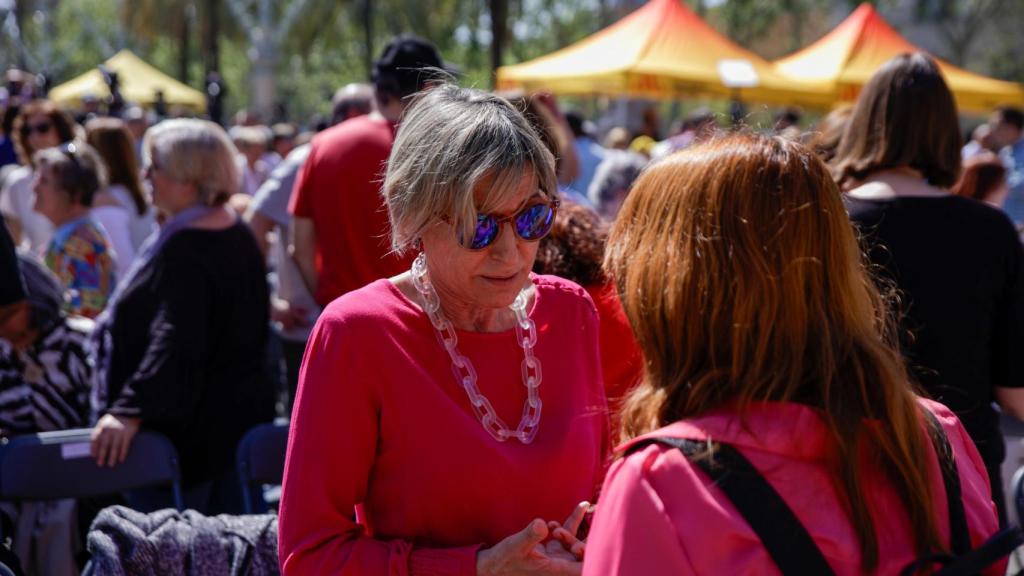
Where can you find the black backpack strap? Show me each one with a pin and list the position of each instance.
(782, 534)
(960, 538)
(999, 546)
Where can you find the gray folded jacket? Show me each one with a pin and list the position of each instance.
(123, 541)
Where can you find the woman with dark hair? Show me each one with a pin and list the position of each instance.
(957, 263)
(983, 179)
(39, 125)
(768, 355)
(66, 181)
(121, 206)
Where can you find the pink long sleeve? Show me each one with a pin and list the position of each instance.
(380, 422)
(631, 533)
(335, 450)
(658, 513)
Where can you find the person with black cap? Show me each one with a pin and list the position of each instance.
(340, 225)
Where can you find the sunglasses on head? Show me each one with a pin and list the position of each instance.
(69, 150)
(41, 128)
(531, 224)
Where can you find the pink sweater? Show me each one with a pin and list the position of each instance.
(381, 421)
(660, 515)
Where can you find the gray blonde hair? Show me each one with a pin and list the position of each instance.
(197, 152)
(451, 140)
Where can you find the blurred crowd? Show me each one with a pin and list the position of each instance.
(174, 271)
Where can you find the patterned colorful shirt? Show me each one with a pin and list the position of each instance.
(81, 257)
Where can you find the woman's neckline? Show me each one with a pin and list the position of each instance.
(203, 222)
(891, 184)
(72, 224)
(414, 307)
(208, 229)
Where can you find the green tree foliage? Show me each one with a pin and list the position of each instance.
(331, 44)
(961, 22)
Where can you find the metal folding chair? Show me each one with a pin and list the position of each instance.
(260, 460)
(54, 465)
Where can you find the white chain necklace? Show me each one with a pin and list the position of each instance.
(465, 374)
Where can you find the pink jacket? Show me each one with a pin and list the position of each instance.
(659, 515)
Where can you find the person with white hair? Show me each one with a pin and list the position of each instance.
(614, 179)
(181, 347)
(252, 143)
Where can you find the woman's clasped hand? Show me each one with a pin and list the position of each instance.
(547, 548)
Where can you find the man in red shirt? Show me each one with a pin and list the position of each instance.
(340, 229)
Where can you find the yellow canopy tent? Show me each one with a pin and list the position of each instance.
(841, 62)
(139, 83)
(661, 50)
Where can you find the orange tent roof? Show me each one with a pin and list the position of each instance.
(660, 50)
(842, 61)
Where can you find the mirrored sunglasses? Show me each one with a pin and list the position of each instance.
(531, 224)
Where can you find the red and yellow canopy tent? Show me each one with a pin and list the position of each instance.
(661, 50)
(842, 61)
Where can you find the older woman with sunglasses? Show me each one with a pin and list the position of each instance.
(458, 408)
(39, 125)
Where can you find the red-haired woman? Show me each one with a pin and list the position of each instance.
(765, 339)
(983, 179)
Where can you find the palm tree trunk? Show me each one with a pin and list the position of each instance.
(499, 29)
(368, 35)
(211, 40)
(185, 45)
(21, 10)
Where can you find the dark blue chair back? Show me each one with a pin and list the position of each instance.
(260, 460)
(53, 465)
(1017, 490)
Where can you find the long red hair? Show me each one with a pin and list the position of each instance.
(744, 282)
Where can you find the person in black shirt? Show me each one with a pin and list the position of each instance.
(957, 264)
(13, 307)
(181, 347)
